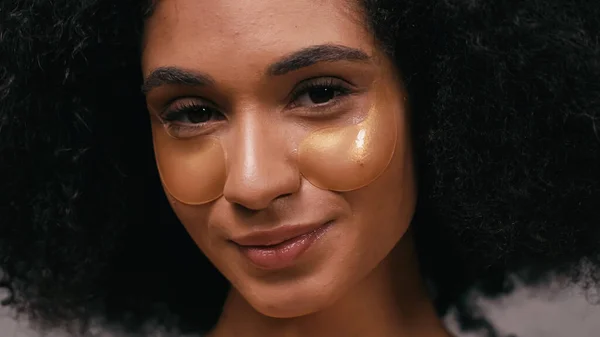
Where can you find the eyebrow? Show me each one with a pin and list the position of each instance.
(177, 76)
(316, 54)
(297, 60)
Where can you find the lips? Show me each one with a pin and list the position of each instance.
(274, 236)
(281, 247)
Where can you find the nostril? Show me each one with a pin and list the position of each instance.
(244, 210)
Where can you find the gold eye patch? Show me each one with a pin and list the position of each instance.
(193, 171)
(349, 157)
(345, 158)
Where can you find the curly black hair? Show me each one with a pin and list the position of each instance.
(506, 101)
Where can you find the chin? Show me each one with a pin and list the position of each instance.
(290, 300)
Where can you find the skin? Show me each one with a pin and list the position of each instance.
(361, 277)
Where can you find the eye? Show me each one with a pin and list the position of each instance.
(191, 113)
(316, 96)
(186, 119)
(319, 92)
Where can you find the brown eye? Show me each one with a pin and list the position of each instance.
(192, 114)
(190, 119)
(318, 95)
(198, 115)
(321, 95)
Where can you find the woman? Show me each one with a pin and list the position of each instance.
(348, 167)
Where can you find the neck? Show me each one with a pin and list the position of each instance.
(390, 301)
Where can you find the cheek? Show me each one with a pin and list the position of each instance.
(383, 210)
(194, 219)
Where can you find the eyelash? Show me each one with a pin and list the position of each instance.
(171, 116)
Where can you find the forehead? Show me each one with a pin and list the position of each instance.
(189, 33)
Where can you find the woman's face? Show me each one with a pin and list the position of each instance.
(280, 131)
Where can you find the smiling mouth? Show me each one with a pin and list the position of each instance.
(279, 248)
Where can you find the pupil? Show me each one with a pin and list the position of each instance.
(321, 95)
(199, 115)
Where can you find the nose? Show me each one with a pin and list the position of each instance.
(260, 168)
